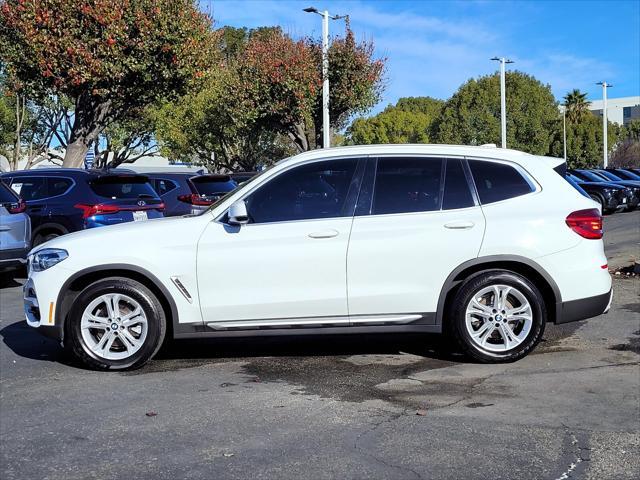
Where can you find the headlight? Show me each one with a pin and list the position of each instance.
(46, 258)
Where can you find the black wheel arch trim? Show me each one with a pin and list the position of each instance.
(451, 281)
(60, 313)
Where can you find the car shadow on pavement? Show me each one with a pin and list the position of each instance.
(25, 342)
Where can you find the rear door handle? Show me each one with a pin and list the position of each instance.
(324, 234)
(460, 225)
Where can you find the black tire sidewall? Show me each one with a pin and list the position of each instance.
(463, 297)
(156, 323)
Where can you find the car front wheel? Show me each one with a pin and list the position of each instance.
(498, 316)
(115, 324)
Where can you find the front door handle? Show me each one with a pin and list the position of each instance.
(460, 225)
(324, 234)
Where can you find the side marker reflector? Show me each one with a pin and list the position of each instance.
(50, 312)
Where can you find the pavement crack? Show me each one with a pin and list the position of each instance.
(580, 454)
(371, 453)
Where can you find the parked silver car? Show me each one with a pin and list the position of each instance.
(15, 229)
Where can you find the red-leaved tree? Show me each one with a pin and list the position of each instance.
(110, 57)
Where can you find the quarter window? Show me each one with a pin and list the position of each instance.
(407, 184)
(456, 187)
(163, 186)
(59, 186)
(317, 190)
(497, 181)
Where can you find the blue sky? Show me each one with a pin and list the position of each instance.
(434, 46)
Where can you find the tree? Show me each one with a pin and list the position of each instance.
(577, 105)
(626, 152)
(584, 141)
(409, 121)
(262, 103)
(472, 115)
(108, 56)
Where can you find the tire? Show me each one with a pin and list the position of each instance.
(134, 338)
(44, 238)
(526, 326)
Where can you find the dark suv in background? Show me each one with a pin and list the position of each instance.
(602, 176)
(188, 193)
(64, 200)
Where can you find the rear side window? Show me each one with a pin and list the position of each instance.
(164, 186)
(59, 186)
(118, 187)
(30, 188)
(497, 181)
(456, 188)
(406, 184)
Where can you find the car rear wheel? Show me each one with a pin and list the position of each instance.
(498, 316)
(115, 324)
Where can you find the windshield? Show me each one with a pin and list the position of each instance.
(591, 176)
(628, 175)
(608, 175)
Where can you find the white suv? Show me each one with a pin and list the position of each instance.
(486, 244)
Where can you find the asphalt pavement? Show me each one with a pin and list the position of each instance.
(333, 407)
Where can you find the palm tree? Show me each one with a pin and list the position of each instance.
(577, 105)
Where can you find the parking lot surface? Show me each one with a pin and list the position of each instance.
(327, 407)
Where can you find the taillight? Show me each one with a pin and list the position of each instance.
(586, 223)
(18, 207)
(195, 199)
(91, 210)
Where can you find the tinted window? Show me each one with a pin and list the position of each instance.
(407, 185)
(609, 176)
(456, 188)
(30, 188)
(163, 186)
(58, 186)
(213, 186)
(6, 196)
(317, 190)
(627, 175)
(497, 181)
(116, 187)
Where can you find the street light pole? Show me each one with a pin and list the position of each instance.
(564, 132)
(326, 129)
(503, 99)
(605, 159)
(326, 125)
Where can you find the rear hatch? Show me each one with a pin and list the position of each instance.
(121, 198)
(208, 189)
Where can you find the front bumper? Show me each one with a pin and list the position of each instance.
(42, 318)
(583, 308)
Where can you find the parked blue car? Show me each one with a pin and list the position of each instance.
(64, 200)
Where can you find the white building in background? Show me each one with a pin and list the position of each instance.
(619, 110)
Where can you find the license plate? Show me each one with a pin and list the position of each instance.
(624, 200)
(139, 216)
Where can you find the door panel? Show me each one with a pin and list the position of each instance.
(273, 270)
(289, 262)
(397, 263)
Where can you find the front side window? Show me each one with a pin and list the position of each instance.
(30, 188)
(407, 184)
(497, 181)
(316, 190)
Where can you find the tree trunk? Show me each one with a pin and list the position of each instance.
(91, 117)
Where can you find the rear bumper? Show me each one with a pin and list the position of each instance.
(583, 308)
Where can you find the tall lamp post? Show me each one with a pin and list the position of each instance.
(605, 159)
(564, 131)
(326, 129)
(503, 99)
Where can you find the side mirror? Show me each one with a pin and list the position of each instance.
(238, 213)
